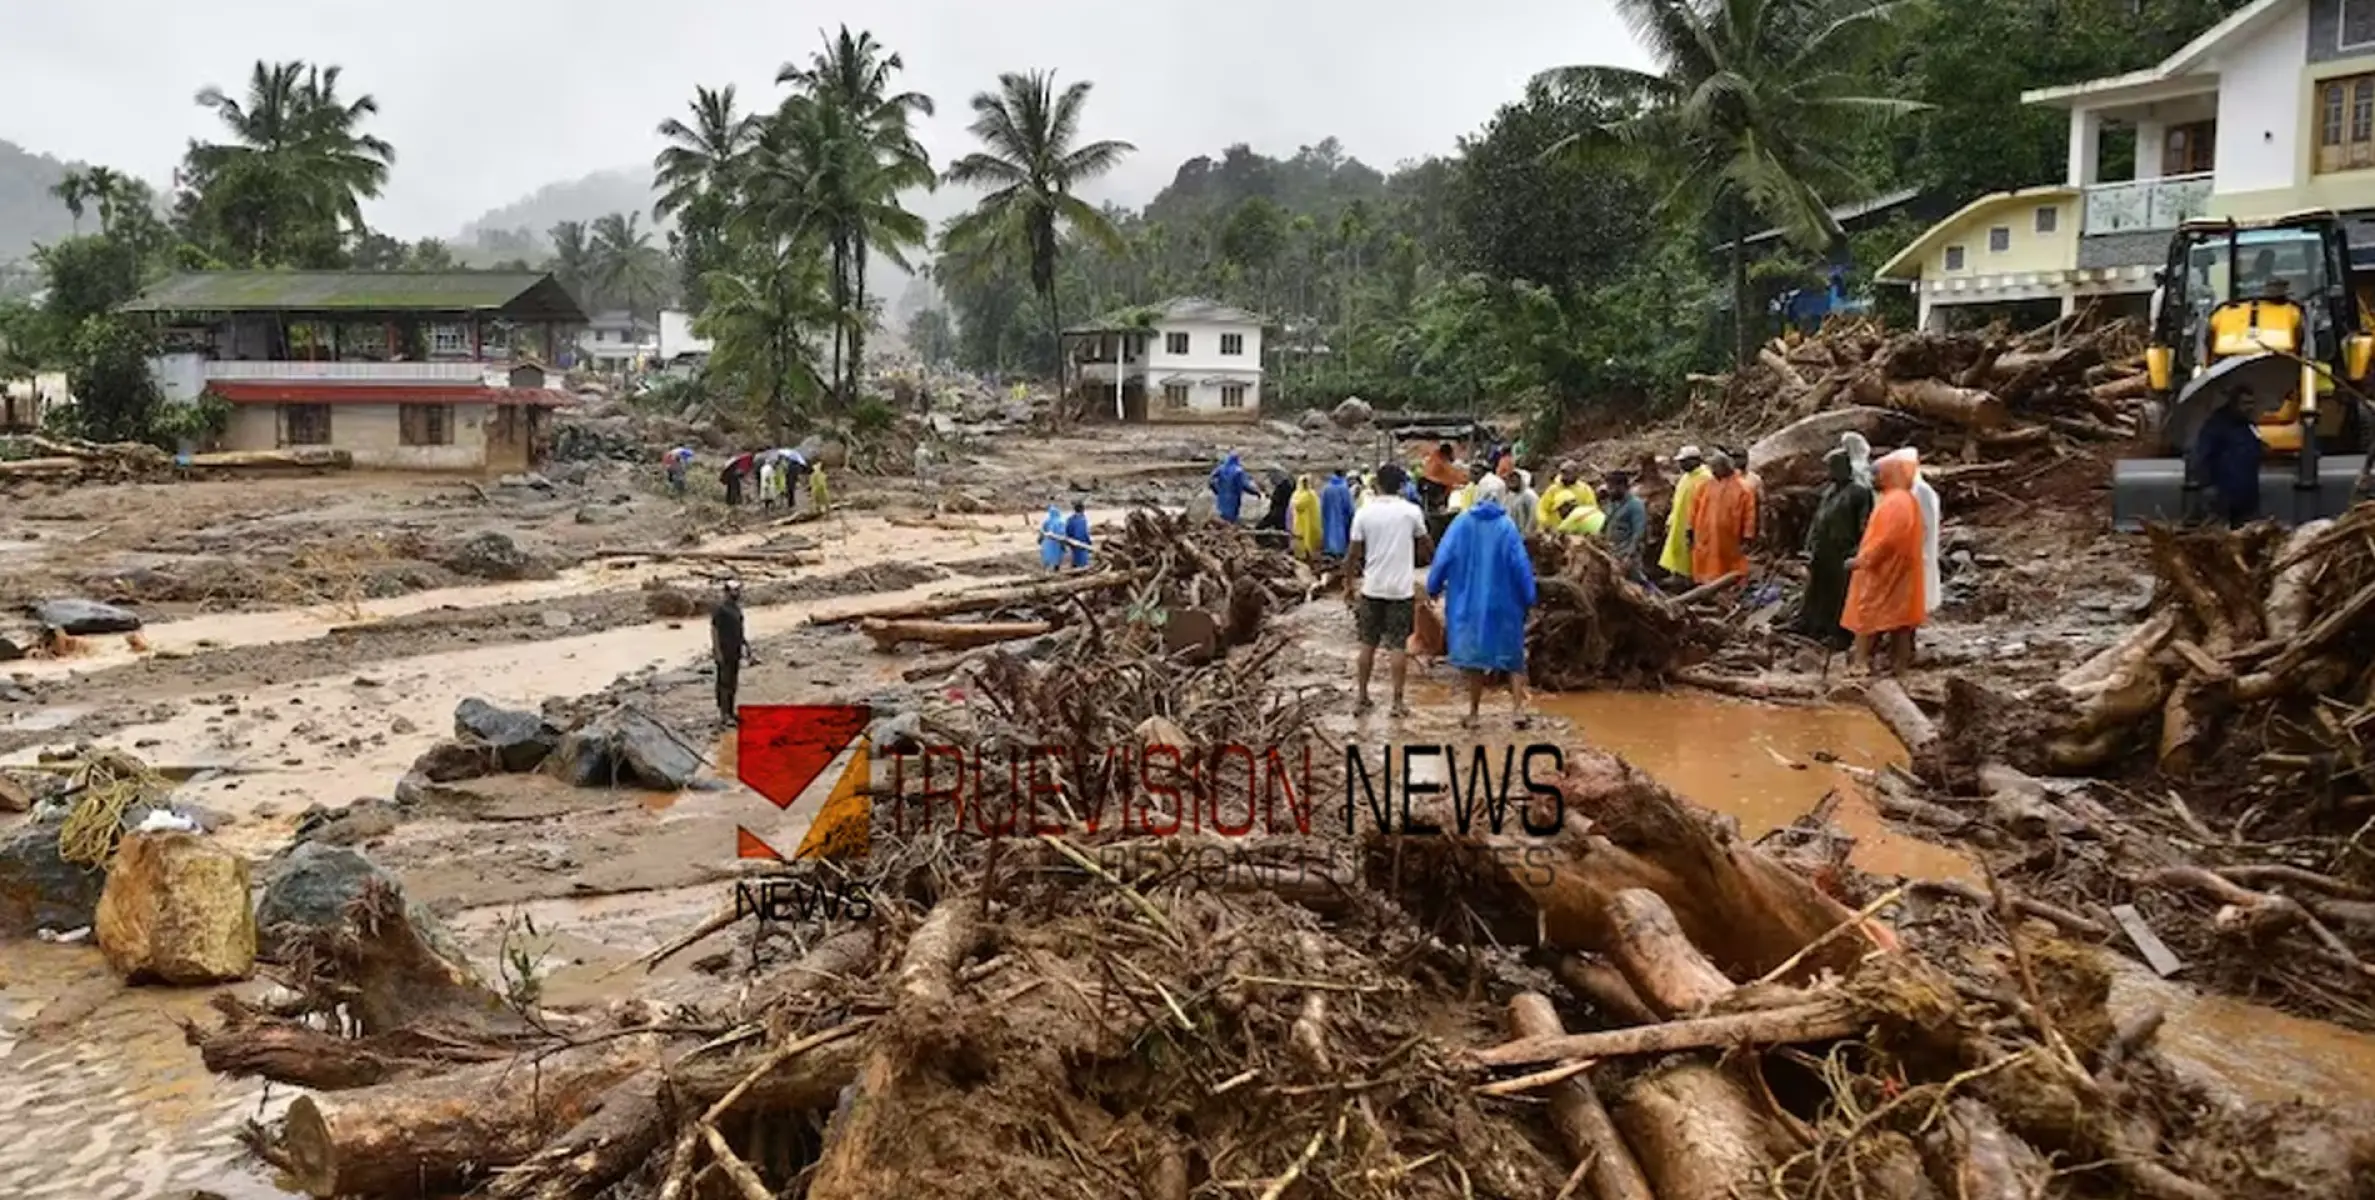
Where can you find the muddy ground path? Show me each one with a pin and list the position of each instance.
(313, 707)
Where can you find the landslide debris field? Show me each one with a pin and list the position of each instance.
(390, 846)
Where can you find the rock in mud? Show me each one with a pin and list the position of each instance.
(1312, 421)
(519, 739)
(175, 911)
(674, 604)
(1352, 412)
(84, 617)
(40, 890)
(307, 889)
(624, 747)
(455, 759)
(489, 554)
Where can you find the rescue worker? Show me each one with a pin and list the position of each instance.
(820, 497)
(1282, 500)
(1627, 526)
(1723, 522)
(1487, 580)
(1439, 478)
(1859, 456)
(1336, 507)
(2226, 459)
(1884, 591)
(1524, 506)
(1568, 486)
(737, 469)
(770, 480)
(1577, 519)
(1831, 541)
(1676, 558)
(1305, 515)
(676, 463)
(1925, 498)
(1077, 529)
(1230, 486)
(1051, 551)
(728, 649)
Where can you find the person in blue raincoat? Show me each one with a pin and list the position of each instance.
(1484, 567)
(1335, 516)
(1230, 486)
(1077, 529)
(1051, 551)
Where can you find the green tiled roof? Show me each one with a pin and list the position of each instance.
(315, 291)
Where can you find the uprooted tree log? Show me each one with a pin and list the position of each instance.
(949, 635)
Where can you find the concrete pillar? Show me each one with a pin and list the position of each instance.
(2086, 143)
(2150, 133)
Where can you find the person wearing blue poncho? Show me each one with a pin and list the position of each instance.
(1230, 486)
(1077, 529)
(1335, 516)
(1051, 551)
(1484, 567)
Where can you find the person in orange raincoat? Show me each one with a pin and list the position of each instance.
(1723, 522)
(1884, 592)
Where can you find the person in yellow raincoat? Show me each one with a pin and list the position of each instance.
(818, 495)
(1676, 558)
(1568, 486)
(1304, 518)
(1579, 519)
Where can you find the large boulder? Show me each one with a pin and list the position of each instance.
(1352, 412)
(1312, 421)
(624, 747)
(520, 739)
(40, 890)
(175, 910)
(491, 554)
(824, 452)
(307, 889)
(80, 617)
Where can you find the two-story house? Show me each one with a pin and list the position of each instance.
(2270, 111)
(416, 370)
(1185, 359)
(617, 341)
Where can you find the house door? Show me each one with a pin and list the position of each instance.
(507, 439)
(2189, 149)
(1134, 402)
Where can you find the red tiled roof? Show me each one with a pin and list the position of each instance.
(330, 392)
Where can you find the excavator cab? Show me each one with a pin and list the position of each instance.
(2268, 313)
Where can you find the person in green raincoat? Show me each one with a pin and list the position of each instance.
(1838, 528)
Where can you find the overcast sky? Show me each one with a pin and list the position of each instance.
(487, 100)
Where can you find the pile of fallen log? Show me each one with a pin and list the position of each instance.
(34, 456)
(1593, 628)
(1627, 1002)
(1985, 398)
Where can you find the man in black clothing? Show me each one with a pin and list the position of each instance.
(727, 648)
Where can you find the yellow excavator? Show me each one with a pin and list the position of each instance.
(2268, 312)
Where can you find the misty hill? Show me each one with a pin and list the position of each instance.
(28, 213)
(616, 189)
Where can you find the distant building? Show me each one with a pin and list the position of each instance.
(438, 370)
(1185, 359)
(617, 341)
(677, 339)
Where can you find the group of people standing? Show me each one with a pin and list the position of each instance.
(1873, 576)
(775, 475)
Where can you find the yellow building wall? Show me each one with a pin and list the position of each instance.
(2028, 251)
(373, 433)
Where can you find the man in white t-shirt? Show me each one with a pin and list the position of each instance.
(1386, 535)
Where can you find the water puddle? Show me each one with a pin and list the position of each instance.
(42, 720)
(1762, 764)
(2260, 1053)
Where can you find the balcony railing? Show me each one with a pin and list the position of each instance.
(352, 372)
(2146, 204)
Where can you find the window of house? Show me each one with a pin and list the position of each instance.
(2189, 149)
(1175, 343)
(1232, 395)
(2358, 23)
(1232, 343)
(1175, 394)
(304, 424)
(425, 424)
(1954, 258)
(2346, 123)
(2049, 218)
(1999, 239)
(449, 339)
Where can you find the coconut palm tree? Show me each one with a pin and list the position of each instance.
(702, 158)
(626, 268)
(296, 165)
(73, 190)
(572, 262)
(758, 320)
(112, 191)
(867, 127)
(1748, 113)
(1030, 163)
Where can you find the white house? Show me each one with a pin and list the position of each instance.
(2270, 111)
(1186, 359)
(676, 336)
(617, 341)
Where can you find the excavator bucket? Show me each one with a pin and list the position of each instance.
(2154, 490)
